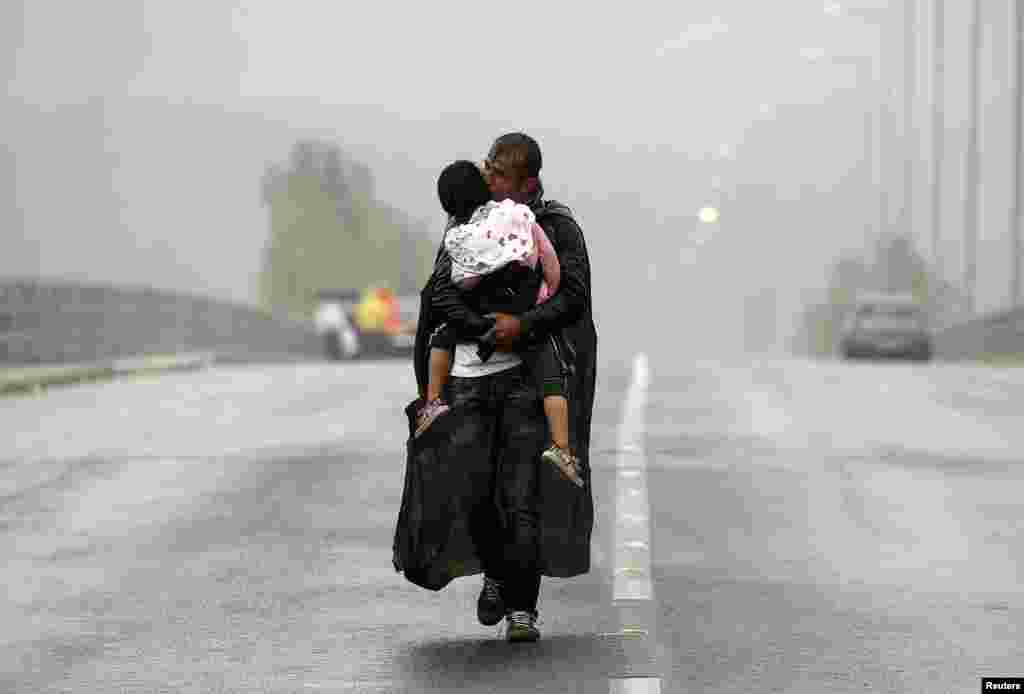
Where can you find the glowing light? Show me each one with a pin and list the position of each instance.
(708, 215)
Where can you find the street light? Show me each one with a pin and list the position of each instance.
(708, 215)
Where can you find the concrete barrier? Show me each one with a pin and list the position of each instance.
(33, 379)
(995, 335)
(44, 322)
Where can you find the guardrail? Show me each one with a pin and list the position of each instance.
(51, 322)
(996, 334)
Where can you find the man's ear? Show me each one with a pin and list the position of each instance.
(530, 184)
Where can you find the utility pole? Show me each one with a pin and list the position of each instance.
(971, 194)
(879, 134)
(873, 229)
(909, 86)
(938, 134)
(1018, 94)
(882, 99)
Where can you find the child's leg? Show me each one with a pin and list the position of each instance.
(440, 365)
(441, 349)
(552, 385)
(442, 346)
(556, 407)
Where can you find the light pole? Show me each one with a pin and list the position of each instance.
(1018, 94)
(971, 194)
(872, 135)
(877, 17)
(938, 136)
(909, 83)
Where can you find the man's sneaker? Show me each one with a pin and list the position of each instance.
(431, 411)
(490, 606)
(521, 626)
(566, 463)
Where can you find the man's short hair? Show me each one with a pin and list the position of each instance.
(520, 151)
(461, 187)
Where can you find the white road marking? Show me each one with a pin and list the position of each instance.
(632, 509)
(632, 548)
(636, 685)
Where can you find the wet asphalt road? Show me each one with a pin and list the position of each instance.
(814, 527)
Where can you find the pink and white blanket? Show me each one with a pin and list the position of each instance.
(497, 234)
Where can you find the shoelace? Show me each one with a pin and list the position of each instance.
(500, 629)
(492, 589)
(522, 618)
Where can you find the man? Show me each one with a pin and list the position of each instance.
(530, 522)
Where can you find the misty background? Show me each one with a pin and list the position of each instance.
(137, 138)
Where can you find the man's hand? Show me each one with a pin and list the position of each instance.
(507, 331)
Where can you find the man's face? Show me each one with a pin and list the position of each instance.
(506, 182)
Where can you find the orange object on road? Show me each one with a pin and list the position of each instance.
(378, 312)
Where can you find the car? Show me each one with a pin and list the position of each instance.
(349, 334)
(884, 326)
(334, 322)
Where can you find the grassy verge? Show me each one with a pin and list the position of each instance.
(1002, 359)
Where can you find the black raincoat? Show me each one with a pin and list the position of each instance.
(432, 542)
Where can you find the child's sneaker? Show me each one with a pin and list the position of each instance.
(565, 462)
(431, 411)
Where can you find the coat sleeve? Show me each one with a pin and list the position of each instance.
(440, 302)
(424, 327)
(448, 304)
(571, 300)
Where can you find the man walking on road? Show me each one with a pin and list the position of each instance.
(514, 518)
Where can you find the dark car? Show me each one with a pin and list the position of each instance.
(887, 326)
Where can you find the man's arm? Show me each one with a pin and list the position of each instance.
(430, 315)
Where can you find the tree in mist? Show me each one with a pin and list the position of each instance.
(901, 268)
(328, 231)
(819, 327)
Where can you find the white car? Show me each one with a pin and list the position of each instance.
(333, 323)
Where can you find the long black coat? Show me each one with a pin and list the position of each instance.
(431, 544)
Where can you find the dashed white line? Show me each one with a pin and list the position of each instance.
(636, 685)
(632, 553)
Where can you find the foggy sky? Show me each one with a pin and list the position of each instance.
(137, 136)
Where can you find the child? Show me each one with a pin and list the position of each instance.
(500, 241)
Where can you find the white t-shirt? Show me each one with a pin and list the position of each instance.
(466, 363)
